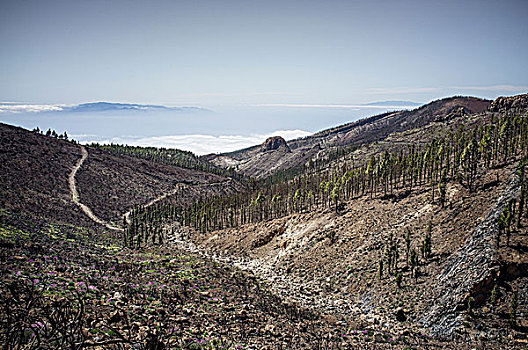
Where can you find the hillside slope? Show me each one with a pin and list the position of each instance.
(34, 171)
(253, 162)
(473, 283)
(69, 283)
(112, 184)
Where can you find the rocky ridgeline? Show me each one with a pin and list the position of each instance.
(510, 105)
(470, 272)
(456, 113)
(274, 143)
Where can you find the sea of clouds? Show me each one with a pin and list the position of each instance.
(198, 144)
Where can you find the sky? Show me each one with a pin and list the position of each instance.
(251, 59)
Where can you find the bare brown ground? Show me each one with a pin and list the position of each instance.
(340, 276)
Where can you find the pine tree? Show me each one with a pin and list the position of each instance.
(426, 242)
(442, 189)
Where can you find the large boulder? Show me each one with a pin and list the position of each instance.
(274, 143)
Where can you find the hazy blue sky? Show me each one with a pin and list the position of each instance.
(229, 52)
(223, 54)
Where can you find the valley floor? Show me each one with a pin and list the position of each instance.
(64, 285)
(329, 261)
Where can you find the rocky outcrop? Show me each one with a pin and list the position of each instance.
(274, 143)
(470, 272)
(512, 104)
(455, 113)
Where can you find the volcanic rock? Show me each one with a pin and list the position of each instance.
(274, 143)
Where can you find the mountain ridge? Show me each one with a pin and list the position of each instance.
(101, 106)
(365, 130)
(95, 107)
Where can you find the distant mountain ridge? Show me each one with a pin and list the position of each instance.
(99, 106)
(109, 106)
(112, 106)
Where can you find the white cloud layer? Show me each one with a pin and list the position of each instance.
(19, 108)
(200, 144)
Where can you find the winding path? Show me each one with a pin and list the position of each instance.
(89, 212)
(75, 193)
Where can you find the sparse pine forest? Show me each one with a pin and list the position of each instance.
(387, 244)
(457, 157)
(179, 158)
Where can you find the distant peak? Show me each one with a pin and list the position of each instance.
(93, 107)
(274, 143)
(114, 106)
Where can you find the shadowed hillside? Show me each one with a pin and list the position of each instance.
(34, 173)
(35, 170)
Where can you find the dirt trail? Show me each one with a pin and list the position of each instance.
(89, 212)
(75, 193)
